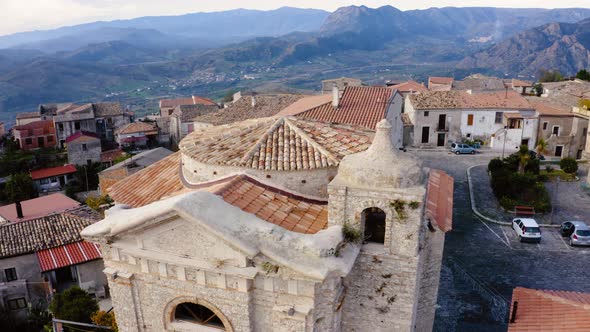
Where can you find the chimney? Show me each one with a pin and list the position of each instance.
(19, 210)
(335, 96)
(253, 101)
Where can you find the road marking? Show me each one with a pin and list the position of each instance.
(496, 234)
(506, 236)
(564, 243)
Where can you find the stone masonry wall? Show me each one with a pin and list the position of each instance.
(430, 265)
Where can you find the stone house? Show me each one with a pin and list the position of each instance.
(181, 119)
(53, 179)
(73, 119)
(440, 117)
(83, 148)
(564, 130)
(440, 83)
(35, 135)
(256, 250)
(109, 117)
(139, 134)
(51, 258)
(168, 106)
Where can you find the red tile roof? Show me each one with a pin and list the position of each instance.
(464, 100)
(54, 171)
(138, 127)
(409, 86)
(521, 84)
(439, 200)
(359, 105)
(548, 310)
(30, 128)
(440, 80)
(39, 207)
(67, 255)
(551, 110)
(83, 135)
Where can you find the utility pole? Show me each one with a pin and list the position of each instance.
(504, 145)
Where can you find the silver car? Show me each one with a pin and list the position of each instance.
(460, 148)
(577, 232)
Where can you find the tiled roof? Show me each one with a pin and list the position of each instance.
(107, 109)
(39, 207)
(186, 101)
(76, 109)
(67, 255)
(521, 84)
(27, 115)
(137, 127)
(242, 109)
(464, 100)
(359, 105)
(82, 136)
(547, 310)
(24, 237)
(54, 171)
(551, 110)
(109, 156)
(409, 86)
(305, 104)
(283, 144)
(35, 125)
(440, 80)
(278, 206)
(439, 201)
(187, 113)
(150, 184)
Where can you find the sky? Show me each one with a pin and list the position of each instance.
(27, 15)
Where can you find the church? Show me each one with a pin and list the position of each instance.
(278, 224)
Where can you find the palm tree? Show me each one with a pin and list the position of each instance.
(523, 158)
(541, 147)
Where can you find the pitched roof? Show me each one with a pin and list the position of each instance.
(242, 109)
(282, 144)
(137, 127)
(187, 113)
(107, 109)
(150, 184)
(551, 110)
(439, 200)
(465, 100)
(53, 171)
(67, 255)
(24, 237)
(305, 104)
(440, 80)
(38, 207)
(82, 136)
(360, 105)
(35, 125)
(27, 115)
(76, 109)
(549, 310)
(521, 84)
(409, 86)
(278, 206)
(186, 101)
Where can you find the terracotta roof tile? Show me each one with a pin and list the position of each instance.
(439, 200)
(464, 100)
(82, 136)
(305, 104)
(283, 144)
(521, 84)
(27, 115)
(551, 110)
(549, 310)
(39, 207)
(138, 127)
(53, 171)
(440, 80)
(360, 105)
(409, 86)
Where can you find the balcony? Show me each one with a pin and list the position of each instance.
(442, 127)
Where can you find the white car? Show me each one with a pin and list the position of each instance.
(527, 229)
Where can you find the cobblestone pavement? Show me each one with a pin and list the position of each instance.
(484, 262)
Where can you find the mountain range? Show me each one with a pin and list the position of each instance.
(138, 61)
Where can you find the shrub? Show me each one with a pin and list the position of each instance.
(569, 165)
(104, 318)
(508, 203)
(548, 169)
(495, 165)
(351, 234)
(74, 304)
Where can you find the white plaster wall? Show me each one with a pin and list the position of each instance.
(484, 123)
(393, 115)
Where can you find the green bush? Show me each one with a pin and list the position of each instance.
(73, 304)
(495, 165)
(548, 169)
(569, 165)
(508, 203)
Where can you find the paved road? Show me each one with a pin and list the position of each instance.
(483, 262)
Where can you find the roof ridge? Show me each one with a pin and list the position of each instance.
(311, 141)
(256, 147)
(549, 294)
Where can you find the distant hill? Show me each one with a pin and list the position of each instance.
(555, 46)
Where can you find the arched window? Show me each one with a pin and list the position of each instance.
(374, 222)
(192, 313)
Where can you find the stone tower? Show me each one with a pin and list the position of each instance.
(381, 194)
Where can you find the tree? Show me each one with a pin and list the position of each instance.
(523, 158)
(538, 89)
(74, 304)
(20, 188)
(550, 76)
(583, 75)
(541, 147)
(104, 318)
(569, 165)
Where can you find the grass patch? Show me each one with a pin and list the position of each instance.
(554, 174)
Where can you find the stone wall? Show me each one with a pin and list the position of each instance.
(80, 152)
(91, 277)
(28, 285)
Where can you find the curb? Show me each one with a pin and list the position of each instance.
(479, 214)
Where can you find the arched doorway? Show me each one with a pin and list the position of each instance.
(374, 222)
(188, 316)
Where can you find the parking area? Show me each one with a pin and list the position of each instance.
(551, 241)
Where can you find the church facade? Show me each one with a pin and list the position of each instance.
(242, 252)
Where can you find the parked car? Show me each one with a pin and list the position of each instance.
(459, 148)
(577, 232)
(527, 229)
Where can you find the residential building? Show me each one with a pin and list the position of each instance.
(50, 258)
(117, 172)
(137, 134)
(564, 131)
(247, 107)
(109, 117)
(73, 119)
(53, 179)
(409, 87)
(359, 105)
(440, 83)
(502, 120)
(163, 124)
(340, 83)
(522, 87)
(247, 250)
(565, 94)
(549, 310)
(27, 117)
(36, 208)
(84, 148)
(109, 157)
(35, 135)
(181, 119)
(477, 83)
(167, 106)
